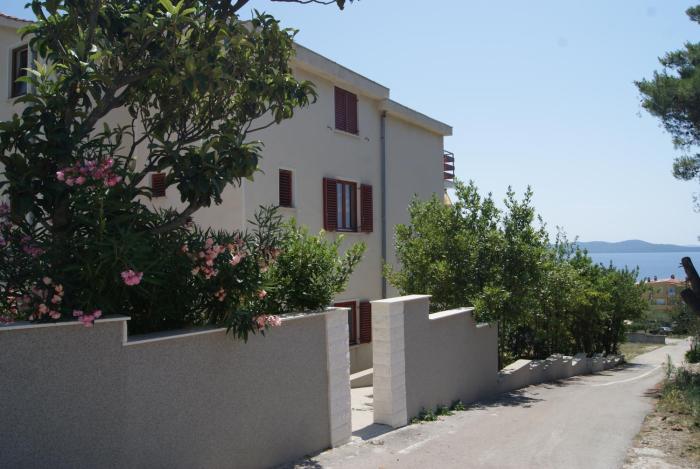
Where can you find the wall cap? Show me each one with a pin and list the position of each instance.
(401, 299)
(29, 325)
(450, 313)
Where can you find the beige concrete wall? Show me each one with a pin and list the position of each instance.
(422, 360)
(640, 337)
(524, 373)
(414, 168)
(76, 397)
(431, 359)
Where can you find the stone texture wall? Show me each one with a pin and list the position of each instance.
(76, 397)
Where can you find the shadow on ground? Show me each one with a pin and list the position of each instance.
(371, 431)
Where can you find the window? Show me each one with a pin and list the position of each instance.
(352, 319)
(346, 206)
(285, 188)
(158, 184)
(345, 111)
(671, 291)
(340, 206)
(20, 61)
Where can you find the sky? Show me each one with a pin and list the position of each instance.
(538, 93)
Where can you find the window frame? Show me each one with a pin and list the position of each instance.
(353, 321)
(16, 70)
(341, 208)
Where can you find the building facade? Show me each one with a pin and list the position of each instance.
(350, 164)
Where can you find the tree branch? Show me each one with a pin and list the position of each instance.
(178, 220)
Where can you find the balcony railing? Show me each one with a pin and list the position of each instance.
(448, 166)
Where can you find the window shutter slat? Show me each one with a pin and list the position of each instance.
(158, 184)
(365, 322)
(352, 113)
(366, 209)
(285, 188)
(340, 109)
(330, 205)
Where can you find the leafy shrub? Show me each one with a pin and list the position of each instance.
(458, 406)
(309, 272)
(693, 355)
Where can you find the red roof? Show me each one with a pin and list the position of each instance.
(14, 18)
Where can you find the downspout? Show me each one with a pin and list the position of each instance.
(383, 196)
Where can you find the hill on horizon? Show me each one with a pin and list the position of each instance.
(632, 245)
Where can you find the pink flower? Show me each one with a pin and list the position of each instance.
(61, 176)
(260, 321)
(112, 181)
(274, 321)
(209, 242)
(47, 281)
(184, 248)
(80, 180)
(70, 182)
(55, 314)
(77, 313)
(236, 259)
(56, 299)
(43, 309)
(131, 278)
(262, 294)
(97, 313)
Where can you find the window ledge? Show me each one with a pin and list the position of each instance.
(347, 134)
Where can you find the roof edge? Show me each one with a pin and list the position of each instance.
(416, 118)
(13, 22)
(313, 62)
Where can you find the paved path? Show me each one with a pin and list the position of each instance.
(583, 422)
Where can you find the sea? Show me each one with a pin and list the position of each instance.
(659, 264)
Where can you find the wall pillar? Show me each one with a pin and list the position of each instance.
(338, 354)
(389, 359)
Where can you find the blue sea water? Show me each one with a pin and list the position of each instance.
(660, 264)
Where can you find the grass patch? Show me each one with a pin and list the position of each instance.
(631, 350)
(442, 411)
(680, 395)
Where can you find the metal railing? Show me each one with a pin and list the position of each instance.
(448, 165)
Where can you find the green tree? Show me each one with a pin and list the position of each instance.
(545, 297)
(673, 95)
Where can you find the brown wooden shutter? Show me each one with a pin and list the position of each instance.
(365, 322)
(352, 113)
(158, 184)
(285, 188)
(366, 209)
(330, 205)
(341, 107)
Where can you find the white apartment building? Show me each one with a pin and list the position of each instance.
(349, 164)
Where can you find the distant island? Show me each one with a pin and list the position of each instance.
(633, 245)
